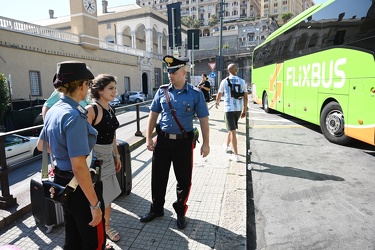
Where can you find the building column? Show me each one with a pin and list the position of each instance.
(134, 40)
(160, 43)
(149, 41)
(119, 37)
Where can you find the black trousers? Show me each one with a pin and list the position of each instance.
(180, 153)
(77, 215)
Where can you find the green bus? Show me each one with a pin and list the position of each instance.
(319, 67)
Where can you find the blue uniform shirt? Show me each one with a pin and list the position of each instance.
(186, 102)
(68, 132)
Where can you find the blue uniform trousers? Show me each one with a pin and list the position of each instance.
(77, 215)
(180, 153)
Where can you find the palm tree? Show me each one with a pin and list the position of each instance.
(213, 20)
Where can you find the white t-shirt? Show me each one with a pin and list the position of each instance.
(231, 103)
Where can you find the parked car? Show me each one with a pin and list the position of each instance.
(136, 96)
(115, 103)
(19, 148)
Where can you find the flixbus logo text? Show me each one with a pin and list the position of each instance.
(315, 75)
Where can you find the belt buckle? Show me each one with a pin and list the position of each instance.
(173, 136)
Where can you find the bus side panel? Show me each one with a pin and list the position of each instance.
(357, 82)
(288, 94)
(360, 121)
(358, 112)
(299, 97)
(268, 80)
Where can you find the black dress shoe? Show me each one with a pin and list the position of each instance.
(181, 222)
(150, 216)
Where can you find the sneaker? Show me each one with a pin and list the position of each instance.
(234, 158)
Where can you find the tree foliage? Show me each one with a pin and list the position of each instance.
(189, 22)
(286, 17)
(4, 97)
(213, 20)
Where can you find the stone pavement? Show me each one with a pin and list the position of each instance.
(217, 204)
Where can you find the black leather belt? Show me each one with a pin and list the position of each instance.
(174, 136)
(95, 176)
(63, 174)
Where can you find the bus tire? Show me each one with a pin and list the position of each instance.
(332, 124)
(265, 106)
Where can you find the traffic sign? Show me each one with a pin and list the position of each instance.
(212, 65)
(213, 74)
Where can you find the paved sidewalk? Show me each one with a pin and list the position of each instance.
(216, 214)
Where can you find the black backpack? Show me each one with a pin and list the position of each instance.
(235, 90)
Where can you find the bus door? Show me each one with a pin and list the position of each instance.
(288, 91)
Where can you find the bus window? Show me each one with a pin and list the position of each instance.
(301, 42)
(348, 23)
(313, 43)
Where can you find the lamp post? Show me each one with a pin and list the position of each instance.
(221, 61)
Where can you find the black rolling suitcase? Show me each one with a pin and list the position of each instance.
(124, 177)
(45, 212)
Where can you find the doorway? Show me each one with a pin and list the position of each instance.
(145, 84)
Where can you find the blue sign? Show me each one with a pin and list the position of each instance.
(213, 74)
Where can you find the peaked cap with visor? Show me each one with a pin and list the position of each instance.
(174, 64)
(70, 71)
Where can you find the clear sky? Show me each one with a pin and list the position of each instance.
(34, 10)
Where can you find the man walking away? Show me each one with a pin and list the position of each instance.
(233, 91)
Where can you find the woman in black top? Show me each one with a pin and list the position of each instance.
(103, 119)
(205, 86)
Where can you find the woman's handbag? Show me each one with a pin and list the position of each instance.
(54, 191)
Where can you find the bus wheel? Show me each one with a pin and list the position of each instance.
(265, 103)
(332, 124)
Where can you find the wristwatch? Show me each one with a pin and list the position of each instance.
(97, 205)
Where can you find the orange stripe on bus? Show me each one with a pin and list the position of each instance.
(274, 76)
(362, 134)
(276, 96)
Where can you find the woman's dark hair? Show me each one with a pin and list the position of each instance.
(204, 75)
(99, 83)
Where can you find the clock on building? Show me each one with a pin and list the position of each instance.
(90, 6)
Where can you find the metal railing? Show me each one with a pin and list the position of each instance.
(6, 199)
(212, 53)
(37, 30)
(29, 28)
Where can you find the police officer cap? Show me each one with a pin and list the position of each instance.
(70, 71)
(173, 64)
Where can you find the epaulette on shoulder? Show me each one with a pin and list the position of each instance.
(164, 86)
(195, 88)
